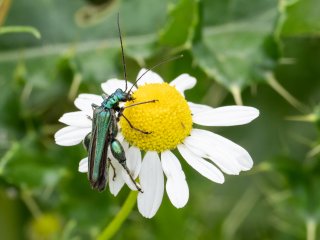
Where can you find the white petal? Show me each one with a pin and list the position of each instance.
(230, 157)
(120, 137)
(84, 101)
(176, 186)
(149, 77)
(116, 181)
(205, 168)
(83, 165)
(226, 116)
(134, 164)
(111, 85)
(183, 82)
(152, 183)
(76, 119)
(69, 136)
(125, 145)
(196, 108)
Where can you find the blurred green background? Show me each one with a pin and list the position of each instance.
(262, 53)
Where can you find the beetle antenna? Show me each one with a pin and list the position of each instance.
(122, 53)
(153, 67)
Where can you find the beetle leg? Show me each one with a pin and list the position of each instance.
(119, 154)
(133, 127)
(94, 106)
(114, 170)
(137, 185)
(105, 96)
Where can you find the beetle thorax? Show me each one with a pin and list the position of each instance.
(113, 100)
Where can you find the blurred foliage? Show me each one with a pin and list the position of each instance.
(261, 53)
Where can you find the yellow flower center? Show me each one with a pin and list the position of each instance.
(168, 120)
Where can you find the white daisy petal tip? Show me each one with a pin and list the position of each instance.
(183, 82)
(227, 155)
(84, 102)
(256, 113)
(111, 85)
(70, 136)
(247, 163)
(176, 186)
(148, 76)
(77, 119)
(83, 165)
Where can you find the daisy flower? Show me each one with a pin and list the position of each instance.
(170, 121)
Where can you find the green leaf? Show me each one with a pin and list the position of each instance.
(20, 29)
(233, 53)
(301, 17)
(179, 31)
(26, 166)
(40, 78)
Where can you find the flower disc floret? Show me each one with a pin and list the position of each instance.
(168, 120)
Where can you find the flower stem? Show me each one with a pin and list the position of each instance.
(272, 81)
(311, 229)
(122, 215)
